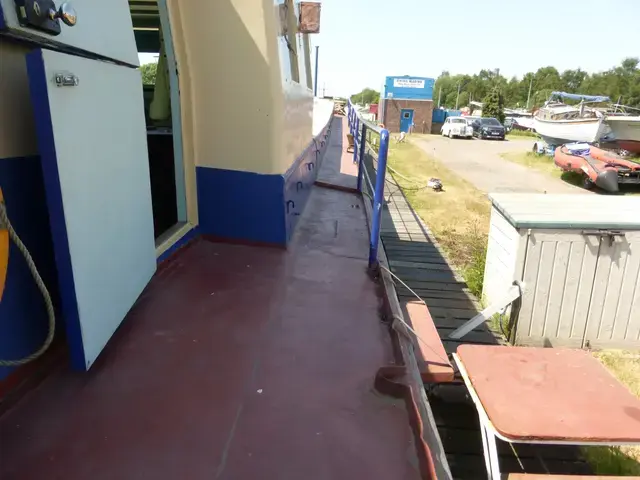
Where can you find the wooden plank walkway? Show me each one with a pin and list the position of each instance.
(415, 257)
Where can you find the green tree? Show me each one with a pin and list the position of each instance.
(572, 80)
(148, 72)
(620, 83)
(366, 96)
(463, 101)
(494, 105)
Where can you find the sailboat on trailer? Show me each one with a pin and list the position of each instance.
(558, 123)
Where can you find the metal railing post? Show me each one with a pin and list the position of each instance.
(356, 140)
(363, 148)
(353, 116)
(378, 198)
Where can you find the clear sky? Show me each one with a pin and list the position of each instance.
(425, 37)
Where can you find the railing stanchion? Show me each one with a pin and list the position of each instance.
(378, 198)
(353, 114)
(356, 140)
(363, 148)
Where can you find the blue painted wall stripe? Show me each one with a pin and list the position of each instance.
(253, 207)
(241, 205)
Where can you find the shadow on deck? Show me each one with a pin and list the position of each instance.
(416, 258)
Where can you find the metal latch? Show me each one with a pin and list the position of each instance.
(67, 80)
(612, 234)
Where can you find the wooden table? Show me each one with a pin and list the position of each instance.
(546, 396)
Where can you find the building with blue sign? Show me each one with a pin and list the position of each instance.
(406, 103)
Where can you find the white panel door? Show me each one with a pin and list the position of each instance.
(103, 27)
(92, 140)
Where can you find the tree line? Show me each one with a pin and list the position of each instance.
(621, 84)
(366, 97)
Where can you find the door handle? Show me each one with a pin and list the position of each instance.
(611, 234)
(66, 13)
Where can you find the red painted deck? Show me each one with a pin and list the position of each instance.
(338, 168)
(237, 363)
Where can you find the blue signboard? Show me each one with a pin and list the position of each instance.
(408, 88)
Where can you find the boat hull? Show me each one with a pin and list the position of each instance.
(556, 132)
(626, 131)
(603, 169)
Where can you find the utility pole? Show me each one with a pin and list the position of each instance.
(529, 96)
(439, 97)
(315, 87)
(458, 96)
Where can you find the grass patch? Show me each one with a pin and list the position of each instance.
(422, 136)
(544, 164)
(625, 366)
(521, 135)
(458, 217)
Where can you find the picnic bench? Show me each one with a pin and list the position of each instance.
(431, 355)
(351, 143)
(545, 396)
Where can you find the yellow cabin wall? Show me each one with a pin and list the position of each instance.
(240, 108)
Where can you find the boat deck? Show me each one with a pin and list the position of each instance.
(237, 362)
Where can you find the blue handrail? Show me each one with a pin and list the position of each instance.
(358, 127)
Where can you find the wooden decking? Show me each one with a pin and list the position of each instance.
(416, 258)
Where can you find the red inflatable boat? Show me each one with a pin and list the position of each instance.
(600, 168)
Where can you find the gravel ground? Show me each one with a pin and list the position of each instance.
(479, 162)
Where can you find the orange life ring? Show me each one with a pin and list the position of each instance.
(4, 253)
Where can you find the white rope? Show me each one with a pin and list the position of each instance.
(5, 223)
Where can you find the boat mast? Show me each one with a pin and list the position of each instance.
(529, 96)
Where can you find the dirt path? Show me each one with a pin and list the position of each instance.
(479, 162)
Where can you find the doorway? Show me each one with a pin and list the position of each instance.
(406, 119)
(162, 114)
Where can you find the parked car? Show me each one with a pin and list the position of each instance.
(488, 128)
(456, 127)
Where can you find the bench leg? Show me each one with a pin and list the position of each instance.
(490, 449)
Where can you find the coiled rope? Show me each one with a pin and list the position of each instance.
(5, 223)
